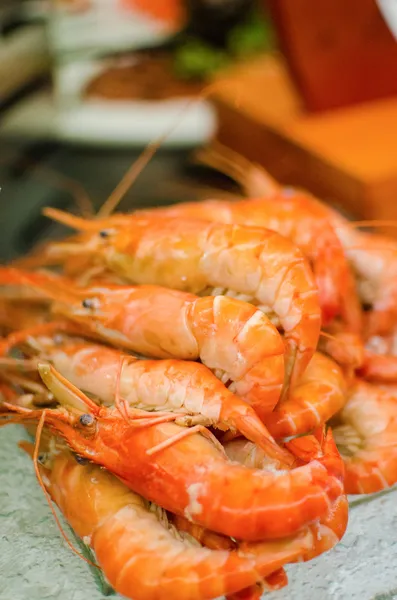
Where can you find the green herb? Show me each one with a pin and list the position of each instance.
(371, 497)
(198, 60)
(104, 587)
(194, 59)
(252, 36)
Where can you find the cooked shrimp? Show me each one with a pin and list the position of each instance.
(231, 337)
(251, 263)
(379, 368)
(373, 258)
(216, 541)
(292, 213)
(320, 393)
(328, 530)
(366, 434)
(390, 388)
(346, 349)
(186, 388)
(380, 358)
(187, 474)
(143, 556)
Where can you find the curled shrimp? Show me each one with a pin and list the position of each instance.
(379, 368)
(328, 530)
(380, 359)
(346, 348)
(251, 263)
(215, 541)
(366, 434)
(320, 393)
(231, 337)
(187, 390)
(143, 556)
(373, 258)
(188, 475)
(292, 213)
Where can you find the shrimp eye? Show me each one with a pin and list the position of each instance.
(90, 303)
(42, 458)
(86, 420)
(80, 459)
(105, 233)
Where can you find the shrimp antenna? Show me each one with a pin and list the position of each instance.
(72, 221)
(17, 337)
(129, 178)
(372, 223)
(133, 172)
(329, 336)
(59, 180)
(80, 195)
(384, 248)
(119, 403)
(35, 458)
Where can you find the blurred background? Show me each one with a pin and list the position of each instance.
(307, 89)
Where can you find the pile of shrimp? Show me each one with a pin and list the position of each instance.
(206, 383)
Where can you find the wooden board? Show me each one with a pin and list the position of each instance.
(347, 156)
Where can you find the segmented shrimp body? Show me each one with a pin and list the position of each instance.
(215, 541)
(379, 362)
(294, 214)
(192, 477)
(126, 534)
(366, 433)
(231, 337)
(373, 258)
(379, 368)
(302, 220)
(187, 388)
(320, 393)
(328, 530)
(251, 263)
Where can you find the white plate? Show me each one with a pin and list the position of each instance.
(106, 26)
(126, 121)
(389, 10)
(108, 122)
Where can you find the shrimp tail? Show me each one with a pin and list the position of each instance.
(253, 592)
(319, 446)
(320, 394)
(277, 580)
(247, 423)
